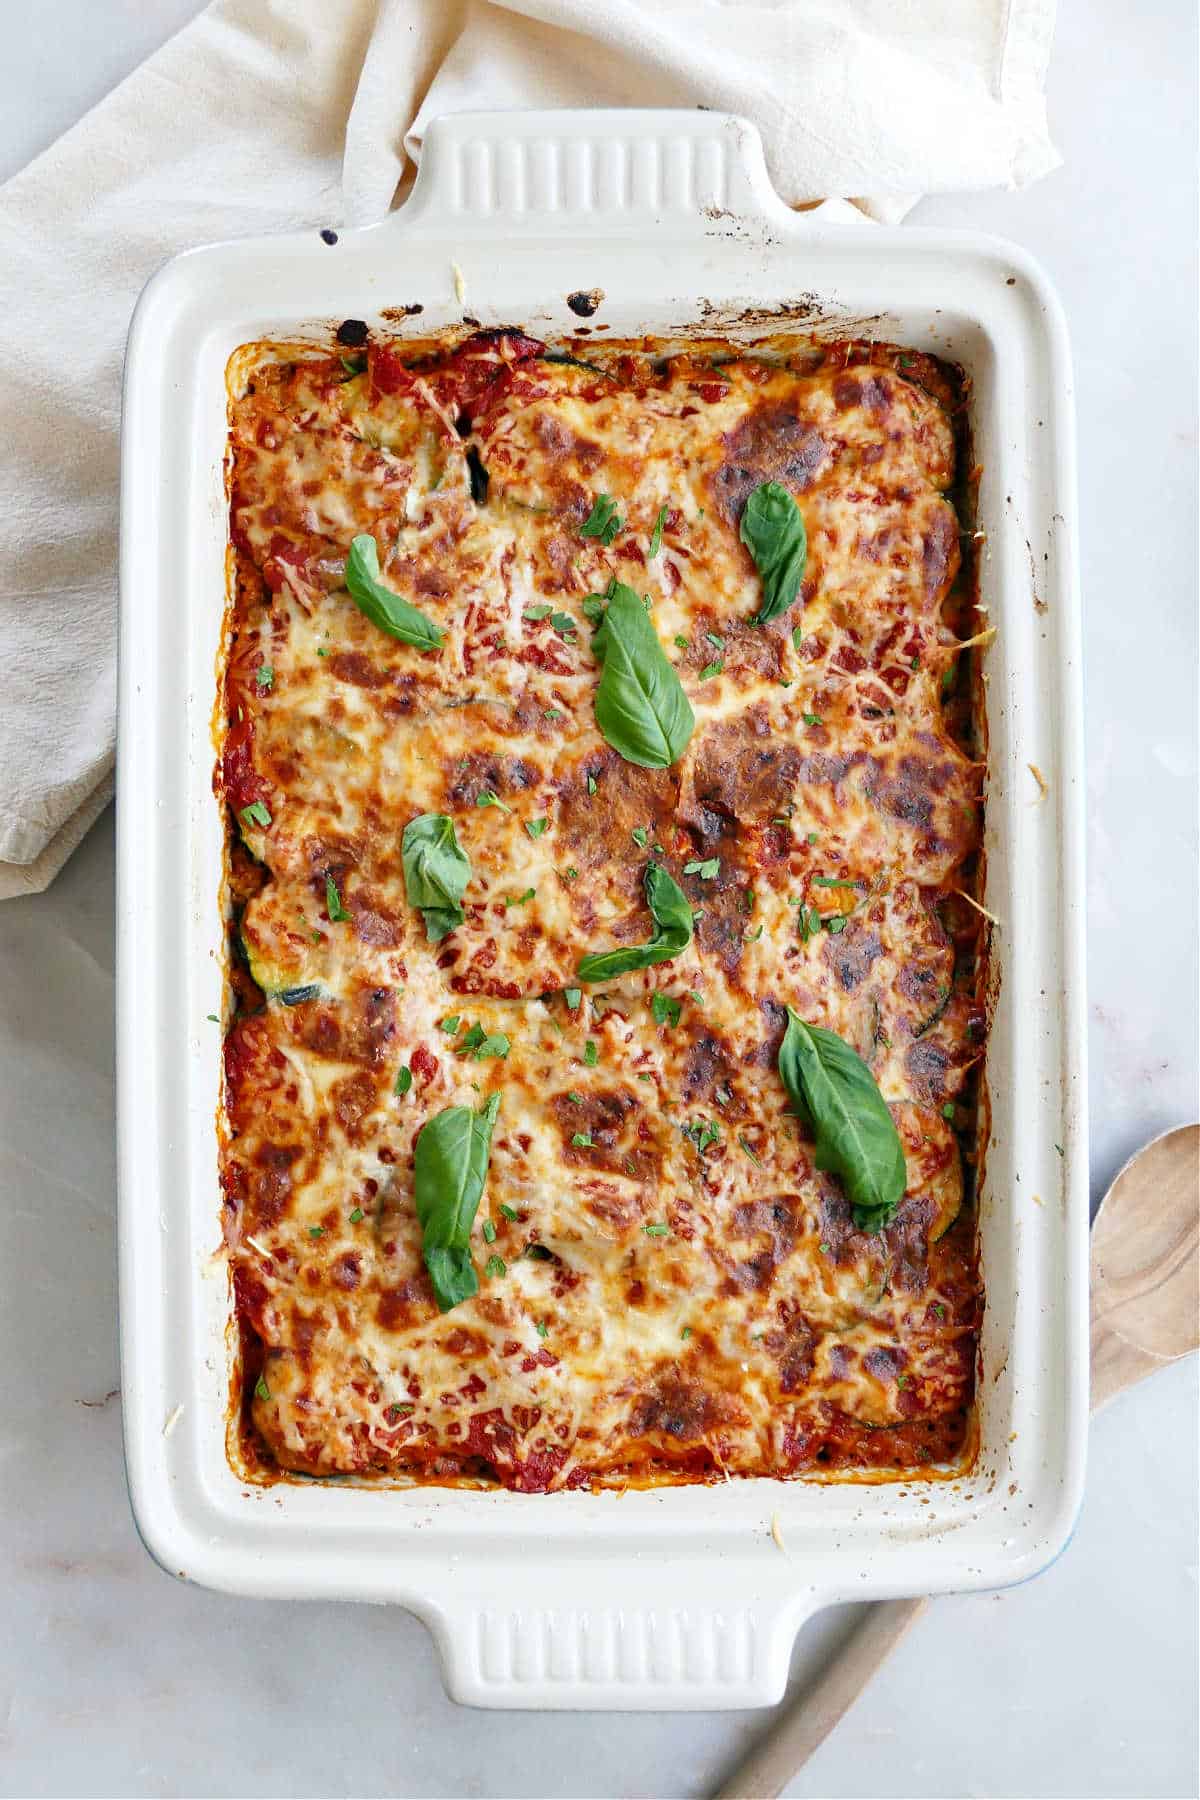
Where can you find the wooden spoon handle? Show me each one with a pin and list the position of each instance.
(768, 1769)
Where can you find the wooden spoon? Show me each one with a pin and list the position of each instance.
(1144, 1263)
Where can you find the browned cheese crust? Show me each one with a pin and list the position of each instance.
(759, 1332)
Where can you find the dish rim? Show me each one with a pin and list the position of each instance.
(649, 1639)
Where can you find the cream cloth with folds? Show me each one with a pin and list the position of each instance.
(265, 115)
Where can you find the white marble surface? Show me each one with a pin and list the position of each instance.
(117, 1680)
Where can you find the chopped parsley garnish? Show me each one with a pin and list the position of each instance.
(656, 534)
(403, 1079)
(509, 1212)
(213, 1017)
(836, 924)
(495, 1266)
(602, 522)
(948, 1113)
(681, 643)
(657, 1230)
(593, 608)
(570, 873)
(749, 1152)
(706, 870)
(812, 837)
(686, 1332)
(833, 881)
(703, 1133)
(489, 1232)
(535, 614)
(591, 1054)
(261, 1390)
(564, 622)
(333, 902)
(582, 1140)
(718, 643)
(535, 827)
(450, 1023)
(573, 998)
(1060, 1150)
(810, 718)
(542, 1329)
(710, 669)
(485, 797)
(824, 1248)
(574, 1098)
(666, 1011)
(752, 937)
(264, 675)
(255, 814)
(356, 1217)
(640, 836)
(316, 1231)
(808, 921)
(939, 1309)
(797, 636)
(479, 1044)
(511, 900)
(591, 784)
(552, 712)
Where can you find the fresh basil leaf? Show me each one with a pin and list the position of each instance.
(436, 872)
(834, 1093)
(641, 708)
(385, 609)
(602, 522)
(772, 529)
(672, 932)
(449, 1170)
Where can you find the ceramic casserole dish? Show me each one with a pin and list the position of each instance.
(686, 1597)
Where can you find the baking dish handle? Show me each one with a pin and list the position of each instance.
(676, 1638)
(636, 170)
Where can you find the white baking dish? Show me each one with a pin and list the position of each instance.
(674, 1598)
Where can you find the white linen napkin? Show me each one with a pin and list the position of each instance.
(270, 115)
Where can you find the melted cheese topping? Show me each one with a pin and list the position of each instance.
(668, 1287)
